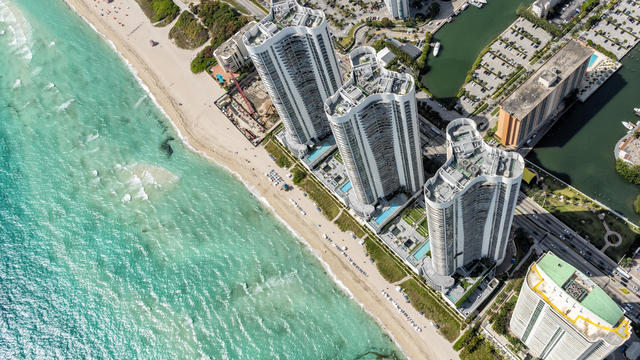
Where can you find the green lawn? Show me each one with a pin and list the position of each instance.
(433, 308)
(346, 222)
(414, 215)
(423, 228)
(387, 265)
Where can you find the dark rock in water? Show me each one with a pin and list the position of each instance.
(166, 147)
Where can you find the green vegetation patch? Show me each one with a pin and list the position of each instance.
(204, 60)
(386, 264)
(282, 158)
(160, 12)
(346, 222)
(413, 215)
(433, 308)
(348, 41)
(187, 32)
(220, 18)
(423, 228)
(321, 197)
(299, 174)
(475, 347)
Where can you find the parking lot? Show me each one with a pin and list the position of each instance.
(618, 30)
(343, 14)
(510, 54)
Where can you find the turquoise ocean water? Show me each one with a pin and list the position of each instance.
(111, 248)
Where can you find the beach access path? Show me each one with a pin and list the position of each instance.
(188, 101)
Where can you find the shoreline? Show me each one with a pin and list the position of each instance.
(186, 100)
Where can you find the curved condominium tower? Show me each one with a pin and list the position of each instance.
(561, 314)
(374, 122)
(471, 200)
(292, 51)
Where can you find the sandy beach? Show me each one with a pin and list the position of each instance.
(188, 99)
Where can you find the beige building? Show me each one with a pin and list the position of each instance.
(540, 98)
(232, 54)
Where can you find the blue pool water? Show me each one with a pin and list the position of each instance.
(386, 214)
(317, 152)
(424, 249)
(346, 187)
(592, 59)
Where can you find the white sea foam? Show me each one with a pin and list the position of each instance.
(92, 137)
(65, 105)
(36, 71)
(16, 84)
(139, 101)
(19, 30)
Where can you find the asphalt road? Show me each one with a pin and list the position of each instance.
(551, 234)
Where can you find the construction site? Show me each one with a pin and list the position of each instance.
(247, 105)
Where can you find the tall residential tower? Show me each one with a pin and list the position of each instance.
(398, 9)
(374, 121)
(471, 200)
(561, 314)
(293, 53)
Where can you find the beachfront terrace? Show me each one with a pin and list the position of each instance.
(284, 14)
(368, 77)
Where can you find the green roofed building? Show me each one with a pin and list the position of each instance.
(561, 314)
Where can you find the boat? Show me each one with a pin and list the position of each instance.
(628, 125)
(637, 111)
(464, 6)
(436, 48)
(476, 3)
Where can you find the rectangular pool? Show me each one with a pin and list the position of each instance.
(317, 152)
(422, 251)
(592, 59)
(346, 187)
(385, 214)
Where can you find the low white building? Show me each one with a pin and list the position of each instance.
(385, 56)
(541, 7)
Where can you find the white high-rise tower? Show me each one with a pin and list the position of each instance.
(374, 122)
(292, 50)
(471, 200)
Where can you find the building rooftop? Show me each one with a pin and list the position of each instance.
(368, 77)
(229, 47)
(283, 14)
(543, 82)
(578, 299)
(471, 158)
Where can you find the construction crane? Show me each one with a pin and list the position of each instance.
(249, 106)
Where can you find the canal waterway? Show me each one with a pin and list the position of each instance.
(579, 148)
(462, 40)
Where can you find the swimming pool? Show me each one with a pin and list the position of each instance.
(314, 155)
(386, 214)
(592, 59)
(344, 188)
(422, 251)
